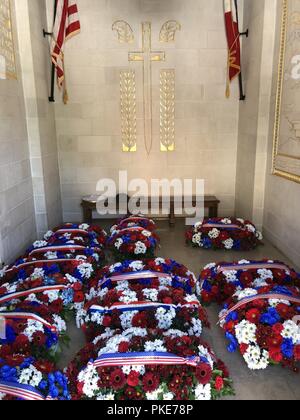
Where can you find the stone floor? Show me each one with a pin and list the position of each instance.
(274, 383)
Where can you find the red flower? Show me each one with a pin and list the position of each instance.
(44, 367)
(276, 355)
(123, 347)
(21, 344)
(297, 353)
(274, 341)
(14, 360)
(133, 379)
(78, 297)
(246, 279)
(77, 286)
(150, 382)
(253, 316)
(277, 329)
(39, 338)
(219, 384)
(203, 373)
(106, 321)
(243, 348)
(117, 379)
(140, 320)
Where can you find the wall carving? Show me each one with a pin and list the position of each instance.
(7, 51)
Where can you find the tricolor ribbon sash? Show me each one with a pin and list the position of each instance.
(25, 392)
(221, 226)
(252, 266)
(273, 296)
(62, 248)
(134, 219)
(137, 275)
(135, 229)
(144, 359)
(42, 289)
(139, 306)
(77, 231)
(28, 316)
(41, 262)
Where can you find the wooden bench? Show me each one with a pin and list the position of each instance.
(89, 205)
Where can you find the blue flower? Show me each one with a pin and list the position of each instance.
(287, 348)
(271, 317)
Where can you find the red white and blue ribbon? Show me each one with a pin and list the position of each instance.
(12, 296)
(135, 229)
(62, 248)
(28, 317)
(134, 219)
(144, 359)
(41, 262)
(140, 306)
(252, 266)
(221, 226)
(75, 231)
(25, 392)
(269, 296)
(137, 275)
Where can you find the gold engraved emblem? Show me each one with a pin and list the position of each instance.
(167, 110)
(128, 110)
(7, 52)
(168, 31)
(124, 31)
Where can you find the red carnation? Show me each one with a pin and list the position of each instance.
(117, 379)
(150, 382)
(77, 286)
(133, 379)
(203, 373)
(246, 279)
(45, 367)
(140, 320)
(219, 384)
(21, 344)
(277, 329)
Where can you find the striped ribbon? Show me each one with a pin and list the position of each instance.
(137, 275)
(139, 306)
(79, 231)
(25, 392)
(144, 359)
(221, 226)
(128, 230)
(62, 248)
(134, 219)
(28, 316)
(253, 266)
(42, 289)
(275, 296)
(39, 262)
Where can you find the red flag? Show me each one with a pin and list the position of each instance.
(66, 25)
(234, 47)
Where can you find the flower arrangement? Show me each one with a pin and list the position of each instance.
(133, 305)
(28, 378)
(133, 243)
(32, 329)
(227, 234)
(219, 281)
(94, 235)
(148, 274)
(139, 364)
(60, 294)
(81, 268)
(134, 221)
(263, 324)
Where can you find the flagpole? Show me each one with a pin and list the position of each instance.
(242, 93)
(51, 97)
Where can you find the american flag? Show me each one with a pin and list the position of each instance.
(66, 25)
(233, 40)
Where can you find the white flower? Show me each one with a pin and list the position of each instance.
(118, 243)
(3, 271)
(114, 267)
(246, 332)
(197, 239)
(203, 352)
(31, 376)
(151, 294)
(250, 228)
(228, 243)
(59, 323)
(128, 296)
(32, 328)
(136, 266)
(146, 233)
(168, 396)
(86, 270)
(203, 393)
(84, 226)
(89, 377)
(214, 234)
(275, 302)
(244, 262)
(155, 346)
(242, 294)
(255, 358)
(231, 276)
(107, 397)
(160, 261)
(265, 274)
(48, 235)
(259, 236)
(291, 331)
(126, 319)
(226, 221)
(40, 244)
(242, 221)
(37, 274)
(196, 328)
(51, 255)
(53, 295)
(140, 248)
